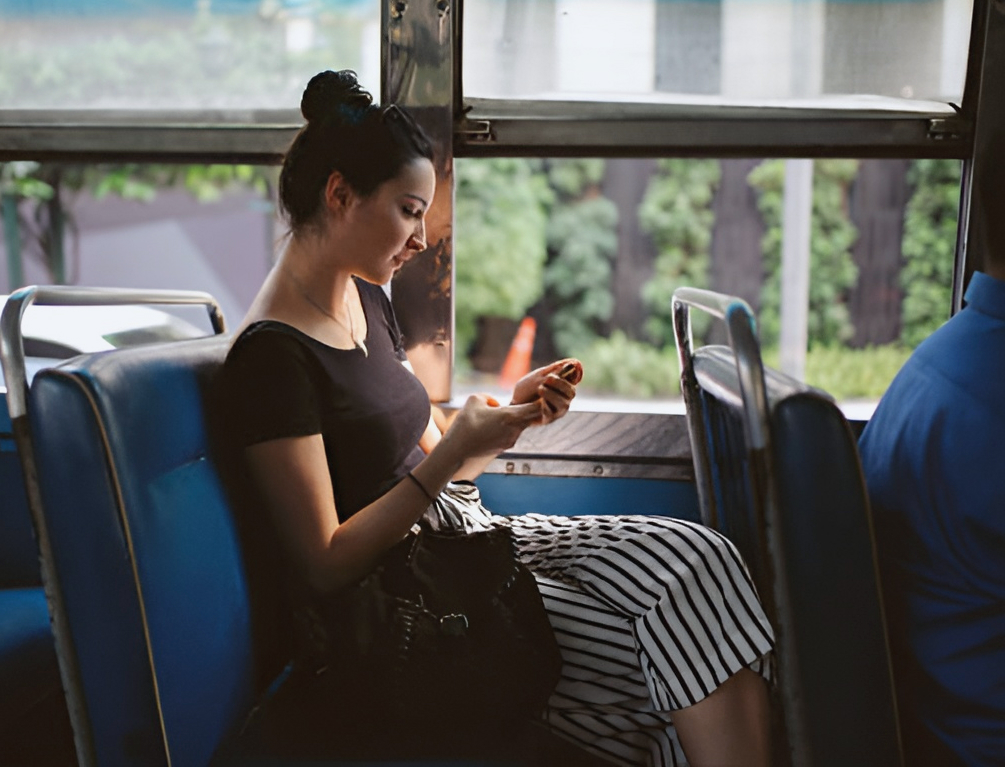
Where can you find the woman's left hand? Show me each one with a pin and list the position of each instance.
(544, 384)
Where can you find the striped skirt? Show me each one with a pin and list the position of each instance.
(651, 615)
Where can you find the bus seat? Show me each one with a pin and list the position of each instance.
(149, 556)
(28, 670)
(778, 472)
(144, 549)
(30, 692)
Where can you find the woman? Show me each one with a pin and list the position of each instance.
(664, 643)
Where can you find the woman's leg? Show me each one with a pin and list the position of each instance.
(695, 625)
(731, 726)
(602, 700)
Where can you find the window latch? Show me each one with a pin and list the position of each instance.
(947, 128)
(478, 131)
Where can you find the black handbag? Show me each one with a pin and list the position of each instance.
(449, 628)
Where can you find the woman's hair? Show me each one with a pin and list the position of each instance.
(345, 132)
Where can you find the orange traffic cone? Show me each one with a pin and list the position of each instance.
(517, 363)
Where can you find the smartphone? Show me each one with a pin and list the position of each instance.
(568, 371)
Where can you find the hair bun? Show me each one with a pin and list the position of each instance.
(330, 93)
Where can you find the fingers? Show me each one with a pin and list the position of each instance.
(528, 413)
(521, 415)
(570, 370)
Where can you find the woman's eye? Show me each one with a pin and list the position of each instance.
(413, 212)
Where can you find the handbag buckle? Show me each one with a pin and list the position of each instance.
(455, 624)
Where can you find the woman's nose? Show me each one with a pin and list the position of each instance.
(417, 240)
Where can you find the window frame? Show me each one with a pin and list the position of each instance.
(499, 127)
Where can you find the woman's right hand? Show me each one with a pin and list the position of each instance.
(483, 428)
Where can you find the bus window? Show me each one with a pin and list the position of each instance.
(586, 253)
(589, 250)
(168, 55)
(189, 227)
(688, 51)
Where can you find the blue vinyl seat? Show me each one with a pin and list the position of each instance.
(778, 472)
(145, 552)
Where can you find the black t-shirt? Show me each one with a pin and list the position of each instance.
(370, 410)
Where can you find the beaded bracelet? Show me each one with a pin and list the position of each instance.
(421, 487)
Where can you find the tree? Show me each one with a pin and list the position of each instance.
(19, 182)
(677, 214)
(582, 243)
(499, 240)
(929, 247)
(832, 269)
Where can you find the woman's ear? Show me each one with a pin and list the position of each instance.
(338, 193)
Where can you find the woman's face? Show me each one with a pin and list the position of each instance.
(388, 226)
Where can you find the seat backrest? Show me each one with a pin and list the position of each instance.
(786, 486)
(145, 549)
(831, 606)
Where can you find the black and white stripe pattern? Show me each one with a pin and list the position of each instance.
(651, 613)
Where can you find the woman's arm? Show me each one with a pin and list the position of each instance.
(293, 475)
(543, 386)
(470, 469)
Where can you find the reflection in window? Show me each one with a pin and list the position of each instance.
(729, 49)
(179, 54)
(592, 250)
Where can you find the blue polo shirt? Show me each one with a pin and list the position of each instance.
(934, 461)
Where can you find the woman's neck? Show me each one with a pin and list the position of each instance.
(312, 265)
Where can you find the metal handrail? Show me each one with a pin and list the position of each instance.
(12, 342)
(742, 334)
(12, 359)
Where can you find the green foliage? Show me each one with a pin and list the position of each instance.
(583, 239)
(850, 373)
(929, 247)
(677, 213)
(499, 240)
(582, 243)
(174, 59)
(523, 227)
(20, 180)
(572, 178)
(207, 183)
(627, 368)
(832, 269)
(618, 366)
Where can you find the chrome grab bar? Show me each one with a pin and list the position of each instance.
(742, 334)
(12, 342)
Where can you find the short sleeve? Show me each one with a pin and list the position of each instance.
(397, 338)
(268, 387)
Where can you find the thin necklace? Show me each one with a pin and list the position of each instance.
(357, 342)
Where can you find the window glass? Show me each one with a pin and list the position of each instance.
(719, 50)
(186, 227)
(582, 257)
(179, 54)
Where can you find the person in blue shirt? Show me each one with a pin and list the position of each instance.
(932, 456)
